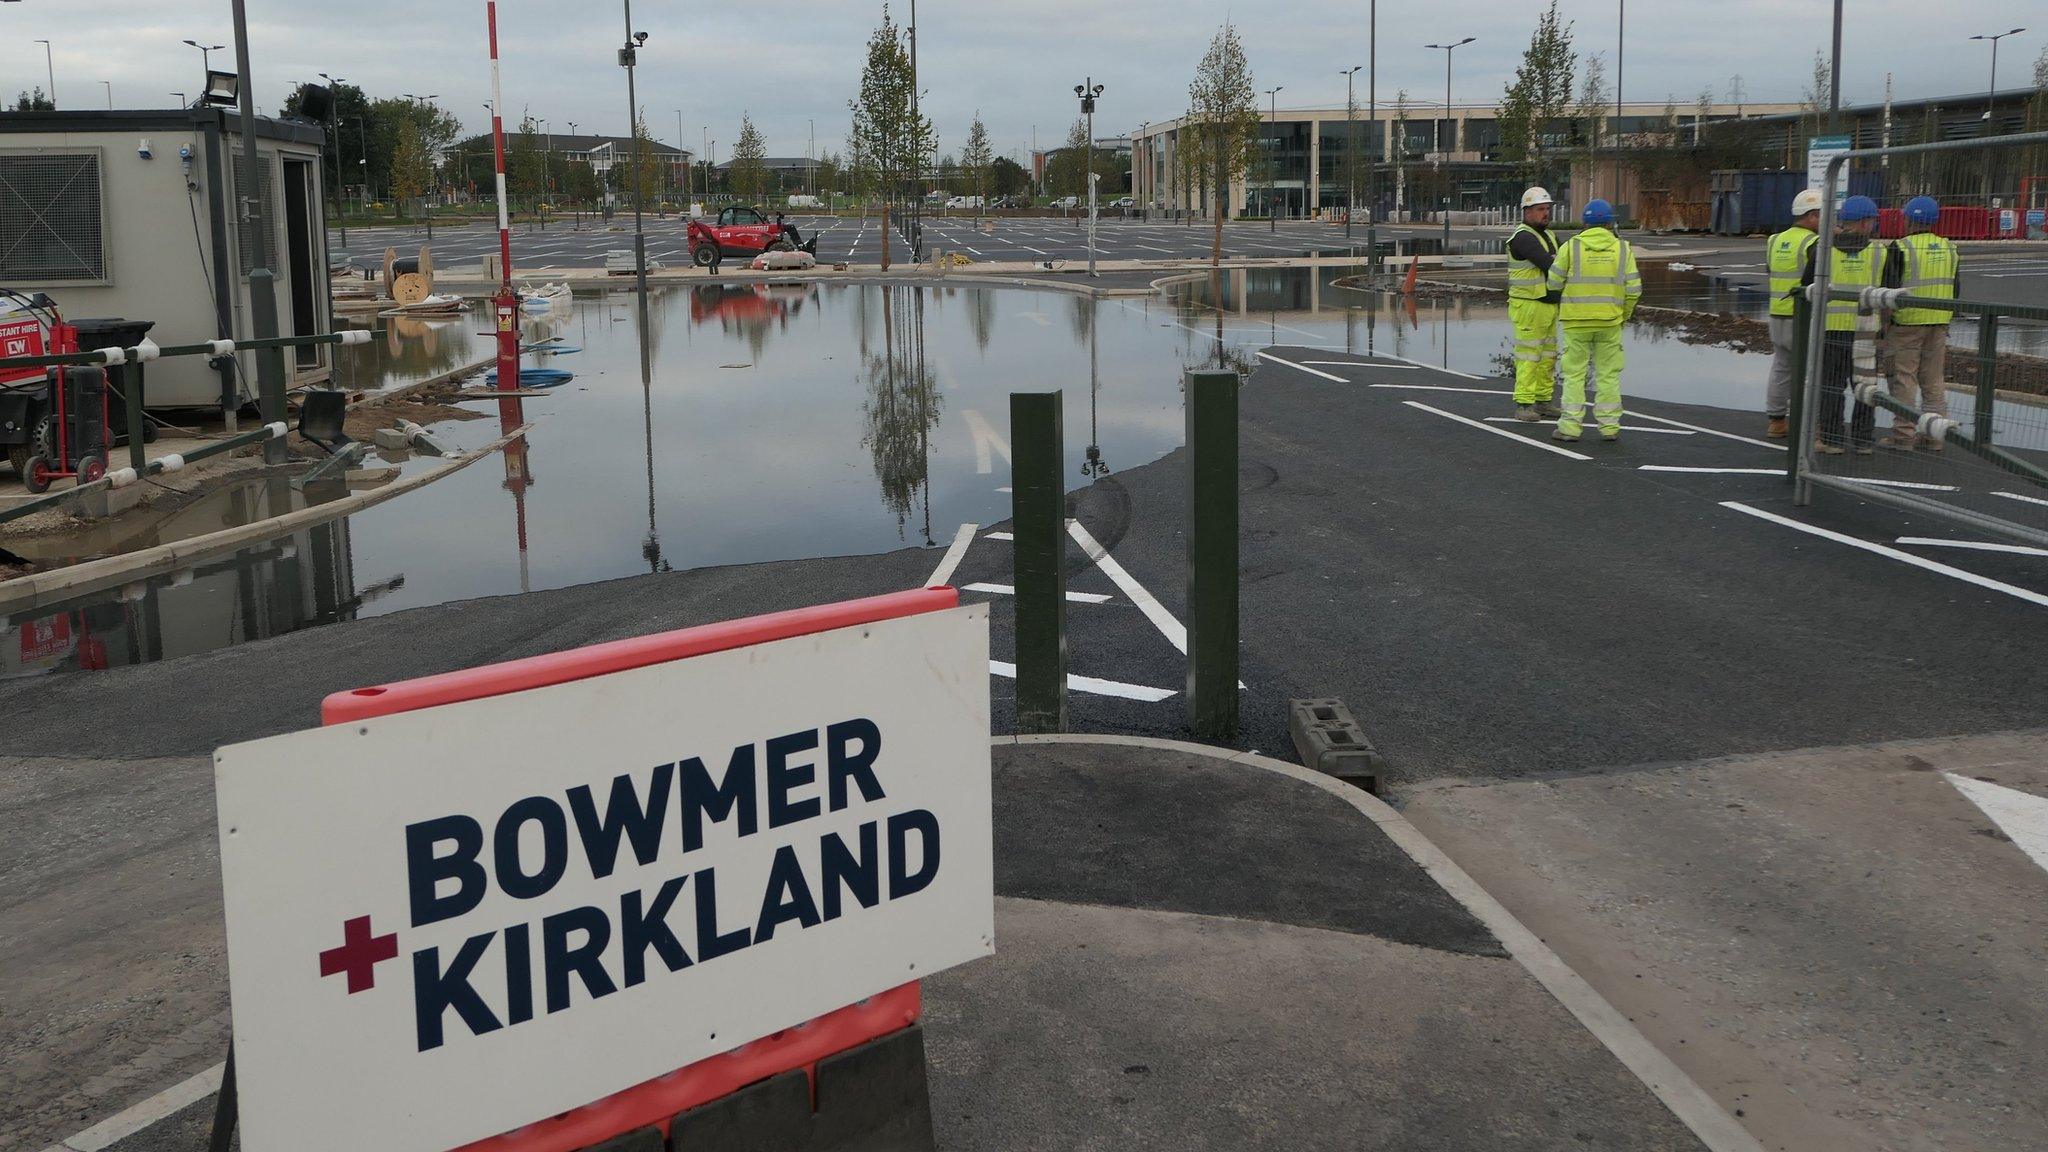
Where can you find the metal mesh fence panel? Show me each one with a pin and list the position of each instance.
(51, 217)
(1930, 389)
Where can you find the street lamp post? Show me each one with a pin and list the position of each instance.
(1443, 152)
(1372, 68)
(109, 86)
(1273, 159)
(629, 56)
(262, 281)
(334, 140)
(1993, 96)
(183, 100)
(1088, 91)
(206, 52)
(50, 67)
(1350, 149)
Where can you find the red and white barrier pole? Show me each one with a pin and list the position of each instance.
(505, 305)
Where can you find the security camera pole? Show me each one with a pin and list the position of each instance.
(1088, 92)
(262, 283)
(629, 56)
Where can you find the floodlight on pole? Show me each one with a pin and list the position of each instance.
(1088, 91)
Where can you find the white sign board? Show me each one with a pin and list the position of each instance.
(1820, 150)
(449, 923)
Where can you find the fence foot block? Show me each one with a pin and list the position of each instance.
(1330, 741)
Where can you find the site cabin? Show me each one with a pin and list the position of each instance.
(134, 214)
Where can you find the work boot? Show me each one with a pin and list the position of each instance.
(1778, 430)
(1610, 434)
(1827, 449)
(1567, 437)
(1866, 449)
(1903, 441)
(1548, 409)
(1526, 413)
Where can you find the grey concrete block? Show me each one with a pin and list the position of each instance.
(875, 1098)
(772, 1115)
(389, 439)
(638, 1140)
(1330, 741)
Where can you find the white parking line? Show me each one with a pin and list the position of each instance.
(135, 1118)
(953, 556)
(1365, 364)
(2027, 594)
(1304, 368)
(1485, 427)
(1011, 590)
(1624, 427)
(1972, 545)
(2017, 496)
(997, 536)
(1734, 471)
(1444, 388)
(1092, 686)
(1175, 632)
(1780, 447)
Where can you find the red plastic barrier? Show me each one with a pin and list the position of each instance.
(657, 1101)
(1891, 223)
(1965, 224)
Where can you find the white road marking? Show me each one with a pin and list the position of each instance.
(135, 1118)
(1433, 367)
(1973, 545)
(1175, 632)
(1898, 484)
(1779, 447)
(1444, 388)
(986, 439)
(1011, 590)
(1304, 368)
(954, 554)
(2018, 593)
(2022, 816)
(2017, 496)
(1734, 471)
(1092, 686)
(1364, 364)
(1485, 427)
(1624, 427)
(997, 536)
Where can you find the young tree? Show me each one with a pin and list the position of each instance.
(1066, 170)
(748, 175)
(888, 132)
(1006, 177)
(1187, 166)
(1819, 91)
(525, 173)
(1535, 102)
(412, 165)
(825, 175)
(1223, 104)
(1594, 96)
(975, 159)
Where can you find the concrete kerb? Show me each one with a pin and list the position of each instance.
(1690, 1103)
(27, 592)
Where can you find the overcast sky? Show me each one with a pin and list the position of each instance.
(791, 63)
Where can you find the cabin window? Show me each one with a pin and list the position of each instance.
(52, 217)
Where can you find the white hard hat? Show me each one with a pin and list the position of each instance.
(1535, 196)
(1806, 201)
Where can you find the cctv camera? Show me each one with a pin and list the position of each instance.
(142, 149)
(640, 36)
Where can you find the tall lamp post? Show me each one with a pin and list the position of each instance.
(50, 67)
(629, 56)
(1350, 149)
(334, 139)
(206, 52)
(1444, 152)
(109, 86)
(1273, 159)
(1372, 84)
(1990, 99)
(1088, 91)
(262, 281)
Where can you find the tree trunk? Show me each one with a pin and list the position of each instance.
(1219, 208)
(885, 233)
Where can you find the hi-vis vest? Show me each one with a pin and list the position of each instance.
(1525, 280)
(1788, 264)
(1596, 282)
(1930, 271)
(1855, 270)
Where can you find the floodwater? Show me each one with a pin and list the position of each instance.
(786, 422)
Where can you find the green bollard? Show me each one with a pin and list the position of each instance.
(1038, 523)
(1212, 554)
(131, 394)
(1987, 378)
(1795, 413)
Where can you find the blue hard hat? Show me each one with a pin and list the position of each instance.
(1922, 210)
(1597, 212)
(1858, 208)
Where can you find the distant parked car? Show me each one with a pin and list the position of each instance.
(1065, 203)
(1012, 202)
(1124, 202)
(801, 201)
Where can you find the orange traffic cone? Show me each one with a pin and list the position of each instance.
(1408, 285)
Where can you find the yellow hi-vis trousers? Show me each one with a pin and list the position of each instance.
(1535, 349)
(1597, 346)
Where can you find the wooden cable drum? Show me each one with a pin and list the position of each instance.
(410, 288)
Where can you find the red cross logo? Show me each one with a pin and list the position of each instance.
(359, 954)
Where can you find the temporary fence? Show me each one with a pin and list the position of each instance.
(1938, 405)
